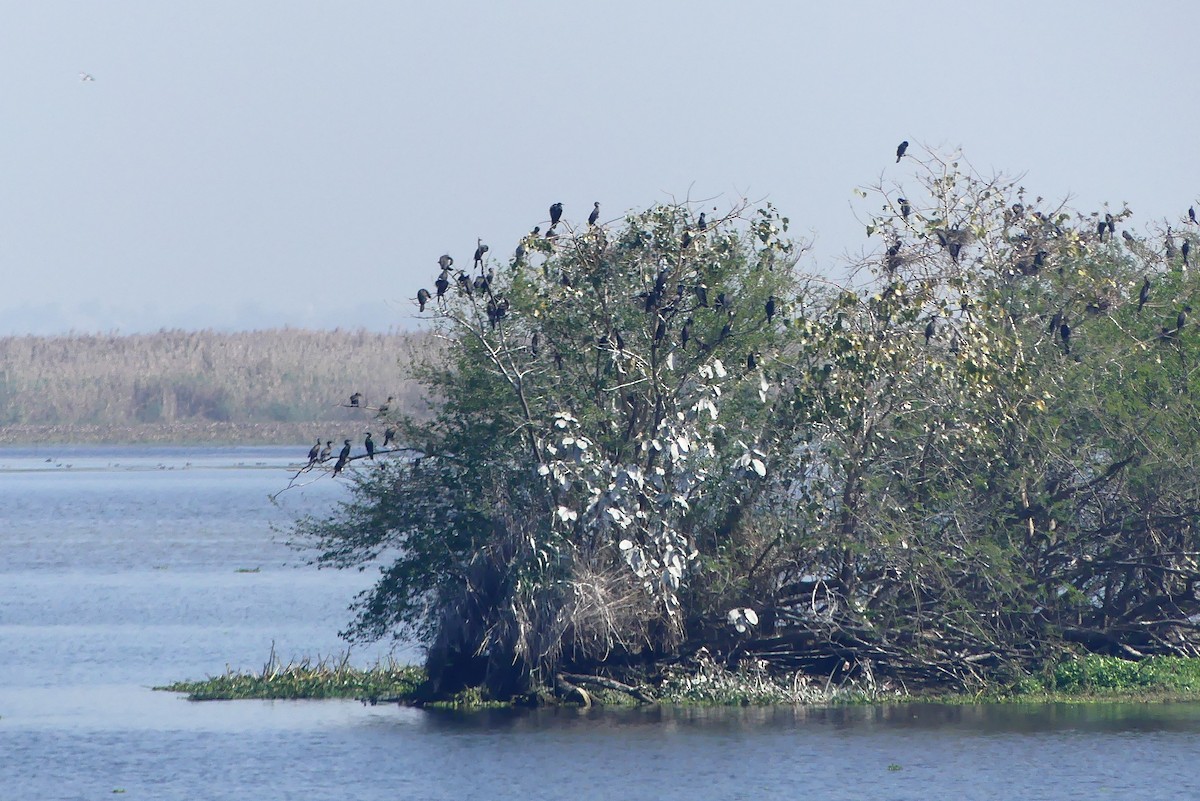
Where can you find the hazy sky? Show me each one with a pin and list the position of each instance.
(249, 164)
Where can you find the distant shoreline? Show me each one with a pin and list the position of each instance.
(180, 433)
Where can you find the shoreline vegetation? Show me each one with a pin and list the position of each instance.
(1091, 678)
(175, 387)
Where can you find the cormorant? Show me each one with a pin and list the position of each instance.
(389, 434)
(520, 254)
(720, 304)
(314, 453)
(1184, 248)
(702, 295)
(685, 333)
(326, 451)
(1144, 295)
(905, 209)
(422, 299)
(687, 237)
(445, 262)
(343, 457)
(480, 249)
(726, 330)
(1192, 213)
(464, 281)
(383, 407)
(702, 222)
(619, 339)
(595, 215)
(1064, 331)
(1101, 227)
(660, 330)
(1181, 318)
(1170, 245)
(533, 345)
(355, 399)
(770, 308)
(555, 214)
(930, 329)
(442, 284)
(751, 361)
(1110, 223)
(1127, 237)
(900, 150)
(370, 443)
(1056, 321)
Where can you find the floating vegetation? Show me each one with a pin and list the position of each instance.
(324, 678)
(1094, 677)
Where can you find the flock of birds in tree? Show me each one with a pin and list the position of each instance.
(952, 241)
(479, 283)
(320, 454)
(656, 300)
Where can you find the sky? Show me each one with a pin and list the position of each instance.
(252, 164)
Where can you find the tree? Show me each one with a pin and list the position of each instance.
(597, 404)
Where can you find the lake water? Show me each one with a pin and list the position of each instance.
(123, 568)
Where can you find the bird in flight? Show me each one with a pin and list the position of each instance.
(86, 77)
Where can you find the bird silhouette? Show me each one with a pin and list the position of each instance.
(442, 284)
(1181, 318)
(314, 453)
(900, 150)
(480, 249)
(1144, 295)
(422, 299)
(1184, 248)
(702, 295)
(769, 307)
(386, 405)
(595, 215)
(685, 333)
(326, 451)
(905, 209)
(445, 262)
(355, 399)
(555, 214)
(687, 238)
(464, 281)
(1192, 213)
(343, 457)
(389, 434)
(1064, 331)
(751, 361)
(1169, 244)
(370, 444)
(930, 330)
(702, 222)
(1101, 227)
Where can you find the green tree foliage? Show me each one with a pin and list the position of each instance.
(978, 454)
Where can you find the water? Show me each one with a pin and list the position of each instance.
(125, 570)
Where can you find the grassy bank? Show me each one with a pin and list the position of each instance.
(704, 683)
(384, 681)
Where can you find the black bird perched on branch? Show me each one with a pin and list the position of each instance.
(1184, 248)
(386, 405)
(687, 238)
(314, 452)
(1110, 223)
(464, 281)
(480, 249)
(442, 284)
(370, 443)
(685, 333)
(930, 330)
(905, 209)
(1101, 227)
(595, 215)
(751, 361)
(1192, 213)
(555, 214)
(770, 308)
(702, 295)
(1170, 244)
(1181, 318)
(343, 457)
(900, 150)
(1127, 237)
(1056, 321)
(1064, 331)
(355, 399)
(445, 262)
(389, 434)
(702, 222)
(520, 252)
(533, 345)
(326, 451)
(422, 299)
(720, 302)
(1144, 295)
